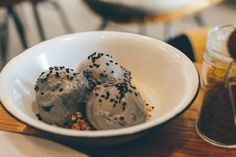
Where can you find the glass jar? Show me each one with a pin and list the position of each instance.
(215, 123)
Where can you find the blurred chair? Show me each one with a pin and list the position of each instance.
(7, 9)
(167, 11)
(5, 13)
(60, 12)
(192, 43)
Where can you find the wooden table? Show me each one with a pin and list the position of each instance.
(176, 138)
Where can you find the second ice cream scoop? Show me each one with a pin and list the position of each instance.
(113, 106)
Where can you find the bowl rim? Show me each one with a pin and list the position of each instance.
(9, 105)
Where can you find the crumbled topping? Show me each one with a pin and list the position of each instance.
(149, 109)
(79, 122)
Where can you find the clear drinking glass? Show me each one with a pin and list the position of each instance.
(215, 123)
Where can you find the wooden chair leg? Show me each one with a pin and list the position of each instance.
(4, 40)
(19, 26)
(38, 20)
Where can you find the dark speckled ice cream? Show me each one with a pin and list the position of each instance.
(102, 68)
(113, 106)
(59, 93)
(100, 91)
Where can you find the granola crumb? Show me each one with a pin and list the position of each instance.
(150, 110)
(78, 122)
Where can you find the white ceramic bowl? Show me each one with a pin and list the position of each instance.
(165, 77)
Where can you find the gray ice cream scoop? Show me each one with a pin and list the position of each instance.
(59, 93)
(102, 68)
(113, 106)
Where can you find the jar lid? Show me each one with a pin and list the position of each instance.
(217, 42)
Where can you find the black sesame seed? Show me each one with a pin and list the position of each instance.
(111, 100)
(90, 66)
(93, 60)
(136, 94)
(42, 93)
(116, 63)
(111, 61)
(133, 87)
(101, 74)
(36, 88)
(152, 107)
(57, 74)
(39, 117)
(115, 102)
(67, 70)
(108, 119)
(100, 100)
(122, 118)
(107, 95)
(56, 68)
(48, 108)
(96, 94)
(107, 64)
(50, 68)
(42, 73)
(123, 108)
(93, 54)
(112, 72)
(61, 89)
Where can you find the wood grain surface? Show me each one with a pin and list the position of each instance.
(176, 138)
